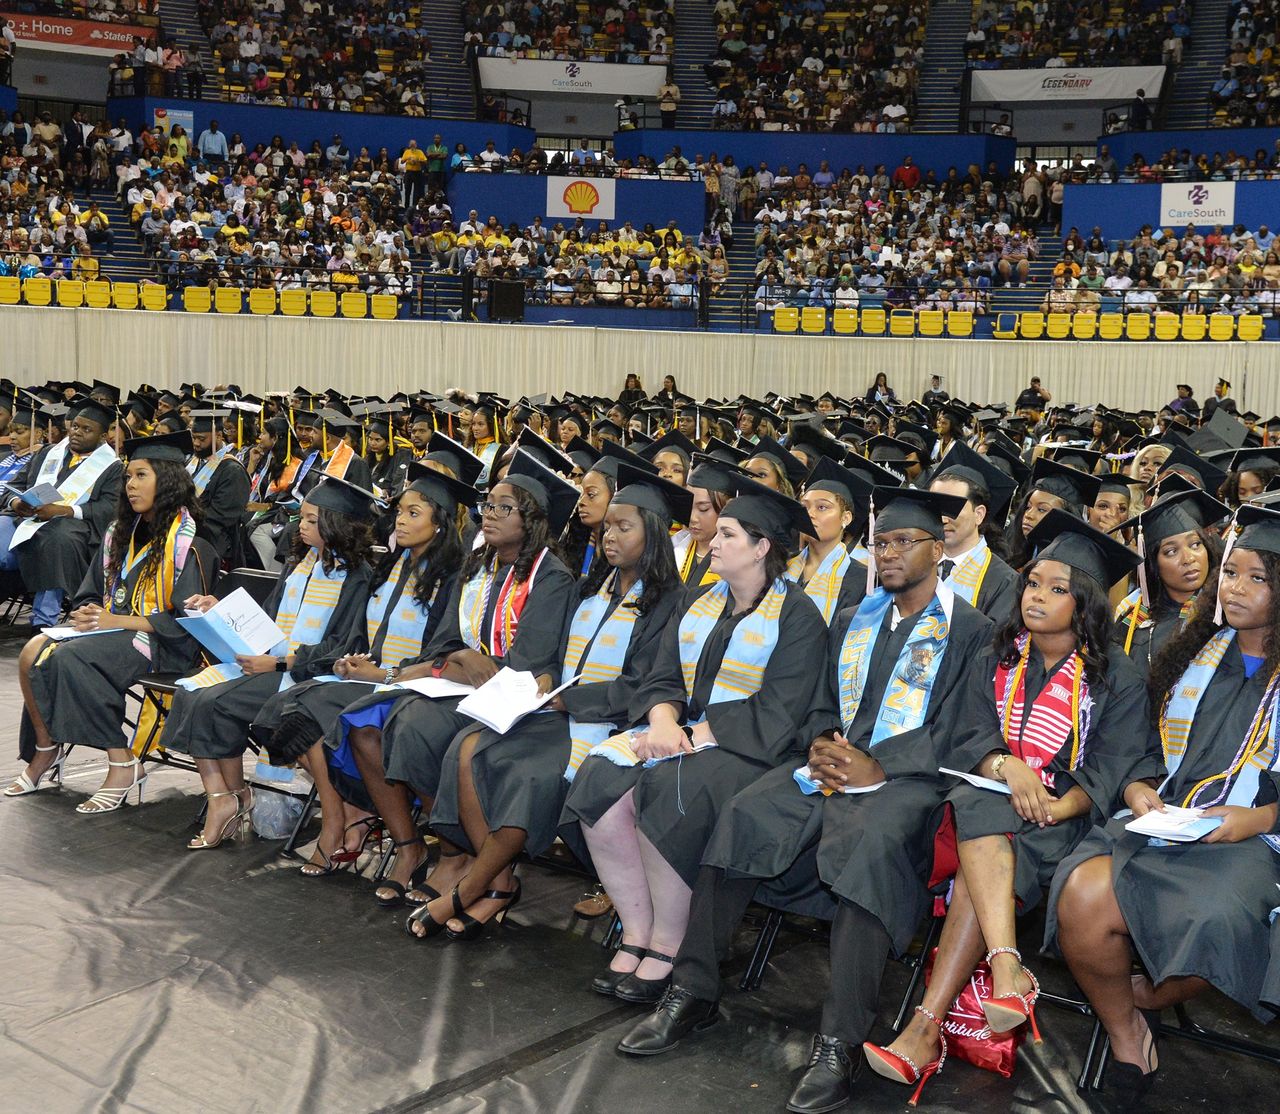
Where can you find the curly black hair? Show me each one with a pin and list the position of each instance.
(1160, 601)
(439, 561)
(1090, 623)
(656, 567)
(537, 537)
(174, 491)
(347, 540)
(1015, 543)
(1229, 492)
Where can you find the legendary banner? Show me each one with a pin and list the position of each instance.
(1118, 83)
(534, 75)
(581, 197)
(78, 36)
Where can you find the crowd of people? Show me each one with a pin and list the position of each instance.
(779, 624)
(618, 31)
(1247, 92)
(100, 11)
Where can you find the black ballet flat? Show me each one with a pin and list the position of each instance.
(644, 991)
(473, 929)
(431, 926)
(607, 983)
(399, 889)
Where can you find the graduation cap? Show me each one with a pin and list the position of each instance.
(890, 450)
(673, 442)
(1221, 431)
(909, 433)
(582, 453)
(460, 461)
(1224, 383)
(55, 414)
(607, 426)
(1195, 468)
(1063, 537)
(1255, 460)
(910, 508)
(776, 515)
(92, 409)
(106, 392)
(163, 446)
(965, 464)
(723, 451)
(1177, 513)
(1083, 460)
(823, 444)
(835, 479)
(1258, 528)
(172, 421)
(24, 416)
(208, 421)
(1115, 483)
(336, 494)
(788, 463)
(440, 488)
(712, 474)
(1066, 483)
(641, 488)
(877, 475)
(611, 455)
(556, 497)
(545, 451)
(138, 404)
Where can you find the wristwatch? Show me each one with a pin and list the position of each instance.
(688, 733)
(282, 665)
(998, 765)
(393, 671)
(437, 666)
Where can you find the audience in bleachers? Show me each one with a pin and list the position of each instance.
(620, 31)
(100, 11)
(1247, 92)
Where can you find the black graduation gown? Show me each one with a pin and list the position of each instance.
(853, 587)
(418, 730)
(999, 591)
(80, 686)
(357, 473)
(1197, 908)
(224, 500)
(1114, 742)
(874, 850)
(519, 777)
(390, 473)
(214, 722)
(677, 802)
(1150, 637)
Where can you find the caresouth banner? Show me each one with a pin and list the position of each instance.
(79, 36)
(1115, 83)
(581, 197)
(1197, 203)
(535, 75)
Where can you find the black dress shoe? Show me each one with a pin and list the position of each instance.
(645, 991)
(607, 983)
(677, 1015)
(827, 1082)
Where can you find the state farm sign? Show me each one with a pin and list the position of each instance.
(80, 36)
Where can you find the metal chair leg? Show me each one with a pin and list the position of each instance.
(917, 972)
(295, 836)
(753, 976)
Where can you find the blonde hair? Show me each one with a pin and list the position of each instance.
(1143, 455)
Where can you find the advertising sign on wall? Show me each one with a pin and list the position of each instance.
(79, 36)
(1116, 83)
(1197, 203)
(581, 197)
(536, 75)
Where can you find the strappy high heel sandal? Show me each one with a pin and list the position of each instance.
(372, 825)
(412, 898)
(199, 843)
(473, 929)
(1008, 1011)
(399, 889)
(431, 926)
(24, 785)
(113, 798)
(903, 1069)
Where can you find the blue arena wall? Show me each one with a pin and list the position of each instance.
(8, 99)
(1151, 145)
(1121, 210)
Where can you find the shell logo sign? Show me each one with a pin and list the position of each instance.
(581, 197)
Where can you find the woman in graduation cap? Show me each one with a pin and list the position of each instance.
(1052, 486)
(507, 609)
(486, 436)
(1252, 469)
(387, 456)
(500, 795)
(1049, 713)
(711, 484)
(150, 561)
(1181, 552)
(411, 590)
(732, 681)
(318, 599)
(823, 567)
(1197, 914)
(775, 467)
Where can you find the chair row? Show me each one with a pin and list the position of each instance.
(1130, 326)
(873, 322)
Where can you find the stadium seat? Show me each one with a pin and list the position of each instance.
(1168, 326)
(97, 294)
(228, 299)
(70, 293)
(386, 307)
(786, 319)
(1195, 326)
(355, 303)
(1058, 326)
(813, 319)
(1084, 326)
(1222, 326)
(1031, 325)
(902, 323)
(960, 323)
(10, 290)
(930, 322)
(37, 291)
(262, 301)
(155, 296)
(873, 322)
(1006, 326)
(1249, 326)
(1137, 326)
(293, 303)
(844, 321)
(324, 303)
(195, 299)
(1111, 326)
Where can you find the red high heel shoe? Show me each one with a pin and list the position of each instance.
(903, 1069)
(1008, 1011)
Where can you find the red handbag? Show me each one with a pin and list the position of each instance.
(968, 1036)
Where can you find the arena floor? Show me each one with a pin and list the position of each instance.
(140, 977)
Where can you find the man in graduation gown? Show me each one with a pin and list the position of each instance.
(893, 665)
(222, 484)
(51, 545)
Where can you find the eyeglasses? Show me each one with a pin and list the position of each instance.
(881, 546)
(496, 510)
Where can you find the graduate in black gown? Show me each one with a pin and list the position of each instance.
(507, 609)
(824, 568)
(1050, 713)
(1051, 486)
(890, 677)
(222, 484)
(711, 485)
(501, 794)
(317, 602)
(722, 706)
(150, 560)
(1197, 914)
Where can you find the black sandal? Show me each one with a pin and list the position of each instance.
(411, 898)
(431, 926)
(607, 983)
(473, 929)
(399, 888)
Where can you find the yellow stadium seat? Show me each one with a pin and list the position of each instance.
(37, 291)
(262, 301)
(844, 321)
(1058, 326)
(1195, 326)
(10, 290)
(1249, 326)
(1168, 326)
(930, 322)
(124, 295)
(97, 294)
(1031, 326)
(386, 307)
(155, 296)
(786, 319)
(70, 293)
(1006, 326)
(355, 303)
(902, 323)
(1084, 326)
(228, 299)
(873, 322)
(1111, 326)
(1137, 326)
(1222, 326)
(960, 323)
(195, 299)
(293, 303)
(813, 319)
(324, 303)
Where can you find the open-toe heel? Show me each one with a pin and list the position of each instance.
(371, 825)
(24, 784)
(418, 893)
(111, 799)
(199, 843)
(473, 929)
(431, 926)
(399, 889)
